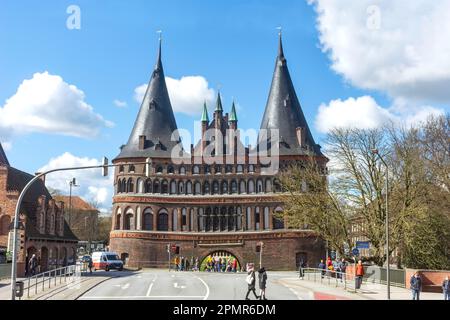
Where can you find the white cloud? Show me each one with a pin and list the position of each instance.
(92, 185)
(46, 103)
(365, 113)
(398, 47)
(120, 103)
(187, 94)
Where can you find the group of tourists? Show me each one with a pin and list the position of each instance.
(186, 264)
(415, 283)
(251, 282)
(221, 263)
(335, 267)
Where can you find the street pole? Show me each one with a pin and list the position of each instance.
(260, 253)
(388, 282)
(17, 213)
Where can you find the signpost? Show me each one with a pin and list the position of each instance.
(363, 244)
(355, 252)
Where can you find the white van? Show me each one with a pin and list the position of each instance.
(104, 260)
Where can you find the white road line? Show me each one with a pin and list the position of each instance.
(207, 288)
(136, 297)
(295, 292)
(149, 289)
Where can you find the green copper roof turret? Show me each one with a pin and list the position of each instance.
(205, 117)
(233, 116)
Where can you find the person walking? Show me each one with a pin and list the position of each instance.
(90, 265)
(262, 280)
(300, 269)
(416, 285)
(359, 274)
(446, 288)
(342, 268)
(32, 265)
(251, 279)
(323, 267)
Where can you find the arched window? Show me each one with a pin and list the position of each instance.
(159, 169)
(140, 186)
(156, 186)
(124, 185)
(173, 187)
(195, 170)
(266, 218)
(218, 169)
(278, 222)
(234, 188)
(239, 168)
(181, 187)
(130, 185)
(239, 218)
(206, 189)
(148, 186)
(276, 186)
(248, 217)
(121, 168)
(175, 220)
(129, 219)
(163, 220)
(5, 221)
(182, 170)
(119, 186)
(184, 220)
(170, 170)
(242, 188)
(229, 168)
(191, 220)
(224, 187)
(207, 170)
(118, 219)
(164, 187)
(257, 213)
(251, 186)
(189, 187)
(148, 219)
(131, 169)
(197, 188)
(259, 186)
(268, 185)
(215, 189)
(251, 168)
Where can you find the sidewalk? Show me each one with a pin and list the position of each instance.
(60, 291)
(368, 291)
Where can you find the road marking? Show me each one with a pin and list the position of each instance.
(175, 285)
(137, 297)
(295, 292)
(207, 288)
(149, 289)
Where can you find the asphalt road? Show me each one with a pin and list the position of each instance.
(161, 284)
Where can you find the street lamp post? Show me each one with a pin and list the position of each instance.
(72, 183)
(375, 151)
(104, 166)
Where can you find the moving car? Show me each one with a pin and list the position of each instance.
(106, 261)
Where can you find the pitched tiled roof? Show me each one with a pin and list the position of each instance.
(3, 158)
(77, 203)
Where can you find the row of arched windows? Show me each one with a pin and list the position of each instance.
(198, 188)
(196, 169)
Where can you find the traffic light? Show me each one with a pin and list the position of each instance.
(105, 166)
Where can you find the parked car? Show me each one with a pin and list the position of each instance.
(102, 260)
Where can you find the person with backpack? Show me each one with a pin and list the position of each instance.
(251, 279)
(262, 280)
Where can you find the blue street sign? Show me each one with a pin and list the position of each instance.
(363, 244)
(355, 252)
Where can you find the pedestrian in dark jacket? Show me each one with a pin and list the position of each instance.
(32, 265)
(262, 279)
(323, 267)
(416, 285)
(251, 279)
(342, 268)
(446, 288)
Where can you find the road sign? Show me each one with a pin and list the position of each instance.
(355, 252)
(362, 244)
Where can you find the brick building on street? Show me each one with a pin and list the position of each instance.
(210, 200)
(43, 230)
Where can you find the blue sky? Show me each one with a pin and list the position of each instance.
(231, 44)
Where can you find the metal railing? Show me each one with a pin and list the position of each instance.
(330, 277)
(45, 279)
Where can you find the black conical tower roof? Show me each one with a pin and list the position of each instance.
(3, 159)
(155, 120)
(283, 111)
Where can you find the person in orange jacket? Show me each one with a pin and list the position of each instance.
(359, 274)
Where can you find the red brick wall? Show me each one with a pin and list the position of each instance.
(431, 279)
(279, 252)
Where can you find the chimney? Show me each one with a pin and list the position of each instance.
(301, 136)
(141, 142)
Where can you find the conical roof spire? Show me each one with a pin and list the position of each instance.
(233, 116)
(205, 117)
(284, 113)
(155, 119)
(219, 103)
(3, 159)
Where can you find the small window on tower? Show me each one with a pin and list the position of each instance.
(152, 104)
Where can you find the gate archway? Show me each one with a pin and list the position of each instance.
(221, 254)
